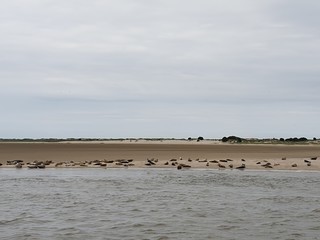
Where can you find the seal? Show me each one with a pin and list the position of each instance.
(243, 166)
(19, 165)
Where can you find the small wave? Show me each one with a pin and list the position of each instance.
(137, 225)
(136, 210)
(298, 235)
(316, 210)
(283, 199)
(200, 215)
(4, 222)
(317, 228)
(70, 231)
(148, 231)
(160, 225)
(163, 238)
(227, 227)
(20, 217)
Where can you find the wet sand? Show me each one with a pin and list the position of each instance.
(165, 154)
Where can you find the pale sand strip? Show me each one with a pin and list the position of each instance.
(165, 151)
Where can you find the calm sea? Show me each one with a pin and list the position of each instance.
(158, 204)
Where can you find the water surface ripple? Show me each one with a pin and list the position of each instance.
(158, 204)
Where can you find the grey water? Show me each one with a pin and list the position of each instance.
(158, 204)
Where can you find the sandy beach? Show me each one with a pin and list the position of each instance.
(164, 154)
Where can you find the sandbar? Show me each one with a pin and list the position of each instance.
(164, 154)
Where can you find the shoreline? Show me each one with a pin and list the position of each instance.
(164, 154)
(11, 168)
(166, 141)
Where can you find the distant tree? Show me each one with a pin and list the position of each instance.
(314, 139)
(295, 139)
(235, 139)
(282, 139)
(232, 139)
(200, 139)
(189, 138)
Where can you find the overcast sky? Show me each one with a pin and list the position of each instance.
(159, 68)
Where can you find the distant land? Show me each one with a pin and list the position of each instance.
(229, 139)
(226, 153)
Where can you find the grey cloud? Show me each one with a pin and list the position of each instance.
(301, 14)
(188, 64)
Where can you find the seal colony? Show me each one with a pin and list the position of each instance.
(175, 155)
(172, 163)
